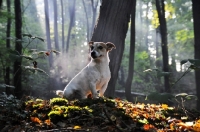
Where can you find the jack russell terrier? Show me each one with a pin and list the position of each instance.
(94, 77)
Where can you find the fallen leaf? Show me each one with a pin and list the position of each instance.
(77, 127)
(36, 120)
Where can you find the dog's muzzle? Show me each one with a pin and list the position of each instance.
(93, 54)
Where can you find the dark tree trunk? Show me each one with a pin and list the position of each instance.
(55, 25)
(112, 27)
(94, 12)
(87, 21)
(18, 47)
(7, 78)
(1, 1)
(163, 30)
(196, 18)
(62, 15)
(158, 85)
(140, 19)
(147, 28)
(46, 10)
(131, 56)
(71, 22)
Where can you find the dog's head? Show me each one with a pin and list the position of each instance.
(100, 49)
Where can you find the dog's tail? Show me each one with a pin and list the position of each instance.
(59, 93)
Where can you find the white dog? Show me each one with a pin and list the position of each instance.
(94, 77)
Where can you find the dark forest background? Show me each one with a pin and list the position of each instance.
(44, 43)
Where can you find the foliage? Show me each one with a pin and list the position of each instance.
(169, 13)
(100, 114)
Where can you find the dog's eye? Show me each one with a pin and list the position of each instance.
(100, 47)
(92, 47)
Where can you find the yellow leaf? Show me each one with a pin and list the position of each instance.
(164, 106)
(77, 127)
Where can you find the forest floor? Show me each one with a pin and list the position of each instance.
(93, 115)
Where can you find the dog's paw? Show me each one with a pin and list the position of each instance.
(59, 93)
(95, 96)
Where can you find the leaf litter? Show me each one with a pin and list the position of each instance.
(102, 114)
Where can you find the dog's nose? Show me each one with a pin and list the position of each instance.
(93, 54)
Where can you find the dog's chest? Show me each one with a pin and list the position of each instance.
(100, 73)
(104, 76)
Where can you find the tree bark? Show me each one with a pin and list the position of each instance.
(71, 23)
(163, 30)
(94, 12)
(196, 18)
(112, 27)
(7, 77)
(158, 85)
(55, 25)
(46, 10)
(87, 21)
(18, 47)
(131, 55)
(1, 2)
(63, 34)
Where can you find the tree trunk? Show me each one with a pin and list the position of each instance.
(1, 2)
(7, 78)
(63, 34)
(163, 30)
(87, 21)
(147, 28)
(55, 25)
(131, 56)
(46, 10)
(94, 12)
(196, 18)
(71, 23)
(158, 85)
(112, 27)
(18, 47)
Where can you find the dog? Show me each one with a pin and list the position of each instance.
(94, 77)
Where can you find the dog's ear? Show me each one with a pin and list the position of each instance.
(91, 43)
(110, 46)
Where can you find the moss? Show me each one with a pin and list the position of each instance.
(39, 100)
(63, 112)
(29, 102)
(58, 101)
(38, 106)
(55, 116)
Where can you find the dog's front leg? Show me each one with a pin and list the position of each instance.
(103, 89)
(93, 90)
